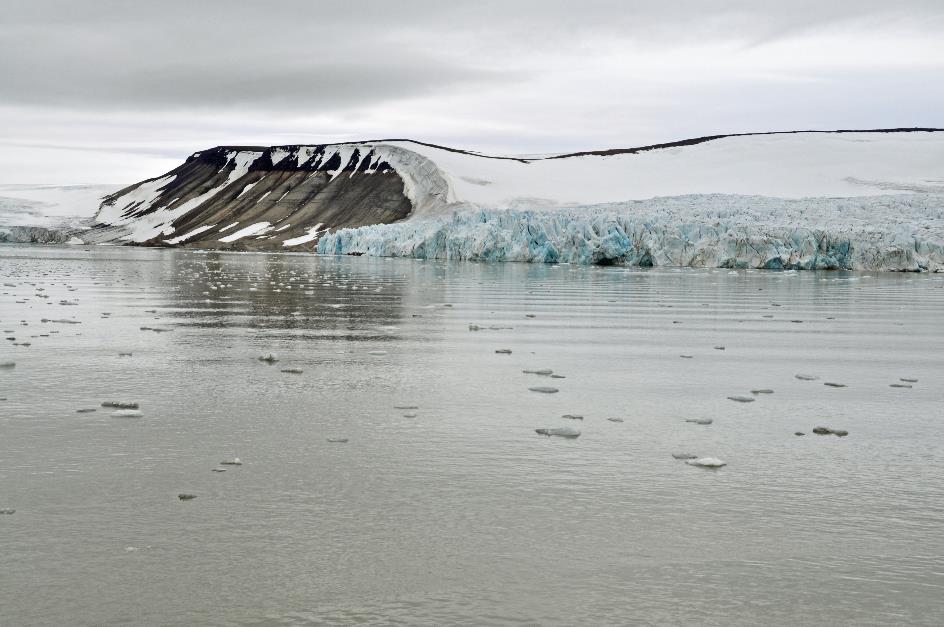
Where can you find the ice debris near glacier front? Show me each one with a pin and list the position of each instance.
(902, 232)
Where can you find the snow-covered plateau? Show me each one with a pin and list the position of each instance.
(868, 200)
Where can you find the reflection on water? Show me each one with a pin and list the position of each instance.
(461, 514)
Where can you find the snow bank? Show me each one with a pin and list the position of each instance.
(901, 232)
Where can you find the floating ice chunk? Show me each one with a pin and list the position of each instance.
(564, 432)
(127, 413)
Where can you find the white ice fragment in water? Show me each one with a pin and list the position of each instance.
(564, 432)
(127, 413)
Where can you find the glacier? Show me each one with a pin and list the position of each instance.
(903, 232)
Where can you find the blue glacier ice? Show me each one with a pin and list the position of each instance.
(892, 232)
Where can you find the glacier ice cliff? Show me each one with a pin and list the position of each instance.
(891, 232)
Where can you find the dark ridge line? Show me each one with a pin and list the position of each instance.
(602, 153)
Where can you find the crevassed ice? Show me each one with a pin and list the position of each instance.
(903, 232)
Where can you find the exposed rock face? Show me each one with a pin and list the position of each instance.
(273, 198)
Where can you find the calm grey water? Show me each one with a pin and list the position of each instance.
(462, 515)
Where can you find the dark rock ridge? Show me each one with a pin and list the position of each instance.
(292, 188)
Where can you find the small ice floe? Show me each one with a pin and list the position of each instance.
(806, 377)
(121, 404)
(684, 456)
(544, 389)
(706, 462)
(615, 419)
(742, 399)
(338, 440)
(186, 497)
(827, 431)
(127, 413)
(292, 370)
(908, 380)
(269, 358)
(762, 391)
(900, 385)
(699, 421)
(7, 512)
(541, 371)
(572, 416)
(834, 385)
(564, 432)
(503, 351)
(85, 410)
(232, 462)
(7, 364)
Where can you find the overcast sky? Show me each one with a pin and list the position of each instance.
(114, 91)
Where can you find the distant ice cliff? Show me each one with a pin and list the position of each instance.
(892, 232)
